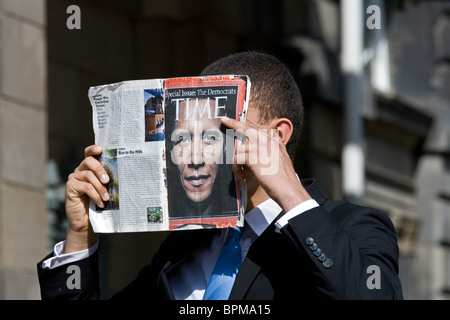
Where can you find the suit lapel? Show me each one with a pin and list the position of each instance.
(163, 284)
(260, 251)
(183, 242)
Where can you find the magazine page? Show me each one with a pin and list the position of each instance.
(128, 123)
(167, 155)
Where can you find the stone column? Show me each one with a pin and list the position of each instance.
(23, 146)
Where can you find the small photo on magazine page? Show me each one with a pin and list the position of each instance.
(154, 115)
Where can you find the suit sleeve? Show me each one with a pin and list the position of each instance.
(351, 251)
(75, 281)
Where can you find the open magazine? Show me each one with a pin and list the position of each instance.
(167, 155)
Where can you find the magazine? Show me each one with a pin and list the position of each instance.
(168, 157)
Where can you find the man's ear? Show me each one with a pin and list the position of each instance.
(284, 127)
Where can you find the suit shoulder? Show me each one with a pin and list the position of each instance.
(347, 212)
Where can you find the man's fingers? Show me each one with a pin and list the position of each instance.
(232, 123)
(85, 182)
(92, 164)
(92, 150)
(90, 177)
(85, 188)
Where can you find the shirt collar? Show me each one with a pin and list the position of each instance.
(260, 217)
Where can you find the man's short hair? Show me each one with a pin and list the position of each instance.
(274, 91)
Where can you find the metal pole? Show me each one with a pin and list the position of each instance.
(352, 17)
(380, 66)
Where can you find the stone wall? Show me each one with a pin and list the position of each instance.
(23, 146)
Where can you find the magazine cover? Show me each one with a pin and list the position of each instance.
(201, 186)
(168, 157)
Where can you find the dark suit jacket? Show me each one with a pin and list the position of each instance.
(360, 262)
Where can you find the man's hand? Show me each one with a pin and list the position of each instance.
(264, 157)
(85, 183)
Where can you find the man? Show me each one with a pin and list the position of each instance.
(296, 243)
(196, 172)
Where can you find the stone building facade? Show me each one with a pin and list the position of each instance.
(23, 145)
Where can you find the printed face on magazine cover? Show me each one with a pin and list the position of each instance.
(197, 148)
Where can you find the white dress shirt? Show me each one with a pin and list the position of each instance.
(188, 281)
